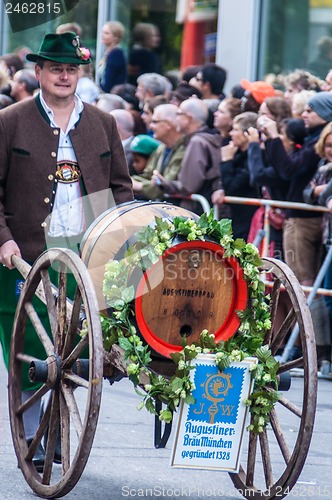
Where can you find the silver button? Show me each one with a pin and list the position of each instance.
(43, 224)
(46, 200)
(56, 131)
(53, 154)
(50, 177)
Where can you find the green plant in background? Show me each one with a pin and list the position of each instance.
(118, 328)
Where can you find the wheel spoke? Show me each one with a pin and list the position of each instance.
(52, 434)
(35, 397)
(275, 295)
(68, 394)
(263, 441)
(65, 434)
(290, 406)
(81, 382)
(75, 354)
(32, 448)
(73, 324)
(284, 329)
(39, 434)
(287, 404)
(39, 327)
(25, 358)
(50, 300)
(251, 458)
(295, 363)
(279, 436)
(62, 309)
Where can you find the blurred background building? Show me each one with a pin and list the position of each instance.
(250, 38)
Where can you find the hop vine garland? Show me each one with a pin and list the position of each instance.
(117, 327)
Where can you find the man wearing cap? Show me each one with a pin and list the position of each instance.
(53, 150)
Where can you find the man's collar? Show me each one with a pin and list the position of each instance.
(49, 112)
(127, 141)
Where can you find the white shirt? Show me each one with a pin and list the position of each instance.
(68, 214)
(127, 141)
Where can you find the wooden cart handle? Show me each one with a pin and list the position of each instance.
(21, 265)
(24, 268)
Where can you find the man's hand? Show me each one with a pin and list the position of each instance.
(268, 127)
(218, 197)
(6, 251)
(329, 204)
(137, 186)
(252, 134)
(158, 179)
(318, 190)
(228, 152)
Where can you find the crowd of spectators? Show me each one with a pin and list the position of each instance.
(266, 139)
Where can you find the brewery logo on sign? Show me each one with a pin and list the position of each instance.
(24, 15)
(217, 394)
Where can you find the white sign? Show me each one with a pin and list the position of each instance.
(209, 432)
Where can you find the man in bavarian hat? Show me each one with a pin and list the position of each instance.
(54, 149)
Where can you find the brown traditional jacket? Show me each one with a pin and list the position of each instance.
(28, 156)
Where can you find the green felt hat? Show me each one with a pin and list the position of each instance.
(63, 48)
(144, 144)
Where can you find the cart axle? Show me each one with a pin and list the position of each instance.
(50, 370)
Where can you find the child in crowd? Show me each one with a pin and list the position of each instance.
(141, 148)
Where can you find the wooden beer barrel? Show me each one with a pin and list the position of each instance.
(111, 234)
(191, 288)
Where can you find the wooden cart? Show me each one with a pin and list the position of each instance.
(75, 384)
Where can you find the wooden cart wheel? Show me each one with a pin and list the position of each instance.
(70, 385)
(260, 476)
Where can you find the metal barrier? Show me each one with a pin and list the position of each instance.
(193, 197)
(265, 236)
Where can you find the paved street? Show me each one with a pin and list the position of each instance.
(124, 464)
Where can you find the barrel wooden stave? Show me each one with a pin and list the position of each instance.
(112, 233)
